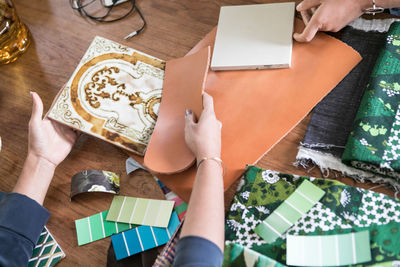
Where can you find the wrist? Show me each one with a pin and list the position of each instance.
(204, 156)
(373, 7)
(215, 160)
(34, 159)
(35, 177)
(207, 154)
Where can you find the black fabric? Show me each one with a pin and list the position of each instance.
(194, 251)
(21, 221)
(332, 119)
(143, 259)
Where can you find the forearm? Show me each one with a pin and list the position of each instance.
(205, 214)
(35, 178)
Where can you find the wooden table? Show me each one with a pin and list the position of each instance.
(60, 38)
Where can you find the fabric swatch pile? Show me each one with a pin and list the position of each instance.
(343, 212)
(354, 129)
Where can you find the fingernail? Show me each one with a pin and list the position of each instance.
(188, 112)
(30, 93)
(299, 6)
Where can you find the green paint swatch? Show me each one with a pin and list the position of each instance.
(289, 212)
(328, 250)
(96, 227)
(142, 211)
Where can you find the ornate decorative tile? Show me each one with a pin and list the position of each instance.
(114, 94)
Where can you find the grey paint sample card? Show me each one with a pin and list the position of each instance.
(254, 37)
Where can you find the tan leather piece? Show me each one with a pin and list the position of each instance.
(183, 87)
(259, 107)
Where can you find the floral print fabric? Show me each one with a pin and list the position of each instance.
(343, 209)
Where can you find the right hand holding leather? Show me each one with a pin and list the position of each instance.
(204, 137)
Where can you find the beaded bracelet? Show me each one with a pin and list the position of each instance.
(216, 159)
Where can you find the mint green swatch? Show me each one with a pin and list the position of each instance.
(289, 212)
(142, 211)
(96, 227)
(328, 250)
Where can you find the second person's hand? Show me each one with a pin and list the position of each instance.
(328, 15)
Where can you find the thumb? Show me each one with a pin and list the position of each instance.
(37, 108)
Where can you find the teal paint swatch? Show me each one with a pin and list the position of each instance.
(96, 227)
(143, 238)
(328, 250)
(289, 212)
(142, 211)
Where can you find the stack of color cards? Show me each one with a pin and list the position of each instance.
(180, 206)
(139, 224)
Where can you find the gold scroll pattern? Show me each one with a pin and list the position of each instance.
(94, 91)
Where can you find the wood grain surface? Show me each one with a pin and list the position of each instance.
(60, 38)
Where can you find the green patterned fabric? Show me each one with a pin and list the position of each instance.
(47, 252)
(374, 142)
(238, 256)
(343, 209)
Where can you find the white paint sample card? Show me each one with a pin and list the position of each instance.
(254, 37)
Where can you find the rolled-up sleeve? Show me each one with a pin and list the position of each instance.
(197, 251)
(21, 221)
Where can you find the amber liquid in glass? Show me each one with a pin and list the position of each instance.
(14, 35)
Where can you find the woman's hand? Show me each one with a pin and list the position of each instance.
(204, 137)
(48, 140)
(49, 144)
(328, 15)
(205, 213)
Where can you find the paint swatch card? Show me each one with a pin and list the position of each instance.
(96, 227)
(142, 211)
(254, 37)
(142, 238)
(328, 250)
(180, 206)
(289, 212)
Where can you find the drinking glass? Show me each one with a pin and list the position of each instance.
(14, 35)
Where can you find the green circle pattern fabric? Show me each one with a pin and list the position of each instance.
(343, 209)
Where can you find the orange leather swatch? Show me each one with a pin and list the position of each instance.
(258, 108)
(183, 87)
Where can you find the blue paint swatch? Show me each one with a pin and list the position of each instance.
(143, 238)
